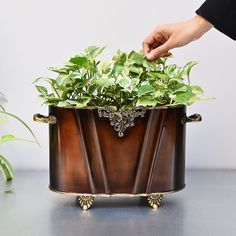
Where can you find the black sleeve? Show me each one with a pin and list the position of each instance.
(222, 14)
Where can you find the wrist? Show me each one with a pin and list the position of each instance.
(202, 24)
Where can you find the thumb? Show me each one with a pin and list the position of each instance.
(159, 51)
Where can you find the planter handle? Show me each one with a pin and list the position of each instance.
(45, 119)
(193, 118)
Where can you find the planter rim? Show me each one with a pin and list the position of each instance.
(96, 108)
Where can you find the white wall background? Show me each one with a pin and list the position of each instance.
(36, 34)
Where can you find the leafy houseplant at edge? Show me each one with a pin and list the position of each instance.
(128, 91)
(5, 166)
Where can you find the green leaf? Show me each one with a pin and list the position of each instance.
(10, 137)
(92, 88)
(103, 67)
(117, 70)
(144, 89)
(196, 99)
(175, 79)
(136, 57)
(120, 57)
(60, 70)
(130, 86)
(169, 70)
(22, 122)
(124, 82)
(63, 79)
(181, 88)
(52, 99)
(93, 51)
(159, 85)
(82, 102)
(158, 93)
(66, 93)
(150, 65)
(162, 60)
(6, 169)
(63, 103)
(179, 72)
(197, 89)
(125, 71)
(79, 60)
(185, 97)
(173, 71)
(159, 75)
(136, 70)
(134, 82)
(187, 68)
(46, 79)
(41, 89)
(146, 101)
(104, 82)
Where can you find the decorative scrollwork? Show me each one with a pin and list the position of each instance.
(155, 200)
(121, 120)
(85, 201)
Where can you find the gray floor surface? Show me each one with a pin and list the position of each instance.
(206, 207)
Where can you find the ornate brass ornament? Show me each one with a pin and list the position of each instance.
(121, 120)
(154, 200)
(85, 201)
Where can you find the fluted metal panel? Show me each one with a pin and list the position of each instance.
(87, 156)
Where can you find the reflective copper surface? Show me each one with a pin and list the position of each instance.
(87, 156)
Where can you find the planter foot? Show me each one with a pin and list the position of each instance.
(85, 201)
(154, 200)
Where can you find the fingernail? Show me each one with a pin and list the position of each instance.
(150, 56)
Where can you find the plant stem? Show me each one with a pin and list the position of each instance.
(55, 90)
(188, 80)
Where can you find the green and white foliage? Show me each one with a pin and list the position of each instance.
(127, 81)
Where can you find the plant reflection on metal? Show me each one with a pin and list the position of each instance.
(121, 120)
(154, 200)
(85, 201)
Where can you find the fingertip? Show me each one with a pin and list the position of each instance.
(150, 56)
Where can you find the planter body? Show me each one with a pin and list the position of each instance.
(87, 156)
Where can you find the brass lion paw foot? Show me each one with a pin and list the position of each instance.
(155, 200)
(85, 201)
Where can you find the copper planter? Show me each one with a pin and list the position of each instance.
(89, 158)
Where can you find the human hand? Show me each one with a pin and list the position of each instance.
(167, 37)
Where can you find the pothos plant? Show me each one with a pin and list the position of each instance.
(126, 82)
(5, 166)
